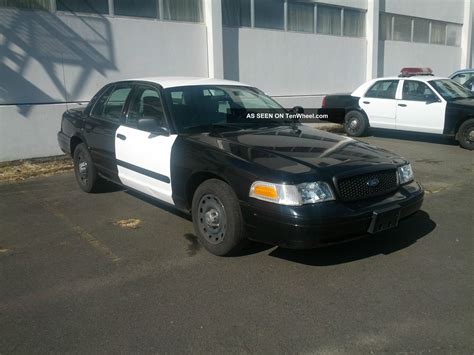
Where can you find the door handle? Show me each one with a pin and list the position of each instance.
(121, 136)
(366, 102)
(402, 105)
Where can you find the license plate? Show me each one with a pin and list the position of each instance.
(384, 219)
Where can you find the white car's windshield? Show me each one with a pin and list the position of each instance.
(200, 107)
(450, 90)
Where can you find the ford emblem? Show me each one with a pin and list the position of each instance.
(372, 182)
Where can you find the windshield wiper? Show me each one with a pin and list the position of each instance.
(212, 126)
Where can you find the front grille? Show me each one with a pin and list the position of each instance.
(367, 185)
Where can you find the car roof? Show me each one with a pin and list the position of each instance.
(414, 77)
(177, 81)
(467, 70)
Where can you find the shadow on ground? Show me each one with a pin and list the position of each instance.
(159, 204)
(408, 232)
(413, 136)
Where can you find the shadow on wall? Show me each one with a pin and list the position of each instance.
(38, 50)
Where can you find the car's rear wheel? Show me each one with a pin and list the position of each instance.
(356, 124)
(466, 134)
(84, 169)
(217, 218)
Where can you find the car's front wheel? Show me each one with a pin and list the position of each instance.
(84, 169)
(356, 124)
(217, 218)
(466, 135)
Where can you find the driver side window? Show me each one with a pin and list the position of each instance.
(417, 91)
(110, 105)
(146, 105)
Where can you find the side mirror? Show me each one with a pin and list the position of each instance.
(297, 109)
(152, 126)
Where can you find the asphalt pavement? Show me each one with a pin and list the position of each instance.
(77, 277)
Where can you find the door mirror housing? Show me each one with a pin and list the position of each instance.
(152, 126)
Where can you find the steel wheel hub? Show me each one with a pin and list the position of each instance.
(82, 169)
(470, 135)
(212, 219)
(354, 123)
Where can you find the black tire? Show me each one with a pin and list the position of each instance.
(466, 134)
(217, 218)
(356, 124)
(84, 169)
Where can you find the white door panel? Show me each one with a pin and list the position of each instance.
(381, 112)
(420, 116)
(144, 162)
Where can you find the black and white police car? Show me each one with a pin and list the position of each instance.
(278, 182)
(415, 101)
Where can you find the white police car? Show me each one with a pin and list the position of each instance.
(415, 101)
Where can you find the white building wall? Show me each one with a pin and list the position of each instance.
(29, 131)
(472, 51)
(394, 55)
(295, 68)
(53, 58)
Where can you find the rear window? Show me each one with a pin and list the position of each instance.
(383, 89)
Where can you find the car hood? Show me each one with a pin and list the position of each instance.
(301, 150)
(464, 103)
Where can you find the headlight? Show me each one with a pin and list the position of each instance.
(291, 195)
(405, 174)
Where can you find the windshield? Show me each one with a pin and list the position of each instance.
(450, 90)
(201, 108)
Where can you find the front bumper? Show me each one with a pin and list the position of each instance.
(63, 142)
(326, 223)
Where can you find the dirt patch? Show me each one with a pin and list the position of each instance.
(435, 187)
(130, 223)
(334, 128)
(24, 169)
(328, 127)
(3, 250)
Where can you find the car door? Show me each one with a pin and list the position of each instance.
(379, 103)
(143, 145)
(420, 109)
(101, 125)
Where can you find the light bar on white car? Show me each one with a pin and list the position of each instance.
(407, 72)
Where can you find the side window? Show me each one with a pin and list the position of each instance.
(469, 84)
(417, 91)
(383, 89)
(146, 104)
(461, 78)
(110, 104)
(99, 105)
